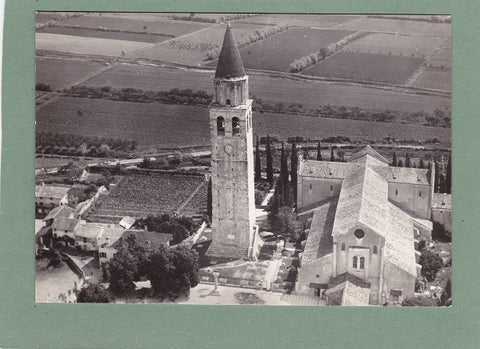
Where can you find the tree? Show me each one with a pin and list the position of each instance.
(319, 151)
(93, 293)
(258, 164)
(178, 231)
(293, 171)
(284, 175)
(420, 301)
(209, 200)
(407, 160)
(421, 165)
(283, 224)
(269, 162)
(437, 179)
(399, 163)
(123, 269)
(332, 154)
(305, 153)
(394, 159)
(448, 177)
(431, 263)
(446, 297)
(173, 272)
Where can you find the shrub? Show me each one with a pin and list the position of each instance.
(93, 294)
(431, 263)
(420, 301)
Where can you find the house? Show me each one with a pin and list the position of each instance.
(49, 196)
(57, 212)
(112, 241)
(65, 227)
(365, 219)
(127, 222)
(43, 236)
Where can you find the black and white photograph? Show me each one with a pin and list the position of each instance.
(243, 159)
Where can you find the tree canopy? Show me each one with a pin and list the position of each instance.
(93, 293)
(431, 263)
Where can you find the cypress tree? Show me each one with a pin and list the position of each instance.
(332, 154)
(437, 178)
(407, 160)
(394, 159)
(319, 151)
(209, 199)
(269, 162)
(305, 153)
(400, 163)
(258, 164)
(448, 179)
(422, 165)
(293, 172)
(285, 177)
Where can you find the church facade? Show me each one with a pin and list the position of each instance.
(365, 220)
(233, 197)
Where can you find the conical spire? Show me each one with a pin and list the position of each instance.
(229, 62)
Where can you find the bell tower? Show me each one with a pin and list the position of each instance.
(233, 197)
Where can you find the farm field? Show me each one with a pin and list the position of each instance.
(279, 51)
(435, 79)
(442, 57)
(317, 21)
(61, 73)
(92, 33)
(157, 26)
(45, 17)
(367, 67)
(83, 45)
(190, 49)
(270, 89)
(397, 45)
(400, 26)
(156, 124)
(140, 194)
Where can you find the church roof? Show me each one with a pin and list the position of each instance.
(320, 241)
(365, 154)
(230, 63)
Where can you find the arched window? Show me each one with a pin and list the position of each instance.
(396, 191)
(343, 246)
(229, 102)
(220, 126)
(375, 249)
(420, 194)
(235, 126)
(362, 262)
(355, 262)
(331, 188)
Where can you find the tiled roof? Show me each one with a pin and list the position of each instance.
(404, 174)
(320, 242)
(63, 223)
(127, 221)
(60, 211)
(341, 278)
(367, 154)
(326, 169)
(442, 201)
(355, 296)
(230, 63)
(50, 191)
(147, 239)
(89, 231)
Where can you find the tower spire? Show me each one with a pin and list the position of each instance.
(230, 63)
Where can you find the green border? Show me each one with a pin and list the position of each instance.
(24, 324)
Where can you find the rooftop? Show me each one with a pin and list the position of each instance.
(63, 223)
(60, 211)
(230, 63)
(50, 191)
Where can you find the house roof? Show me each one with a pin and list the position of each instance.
(326, 169)
(441, 200)
(60, 211)
(320, 242)
(127, 221)
(89, 231)
(341, 278)
(145, 239)
(50, 191)
(63, 223)
(230, 63)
